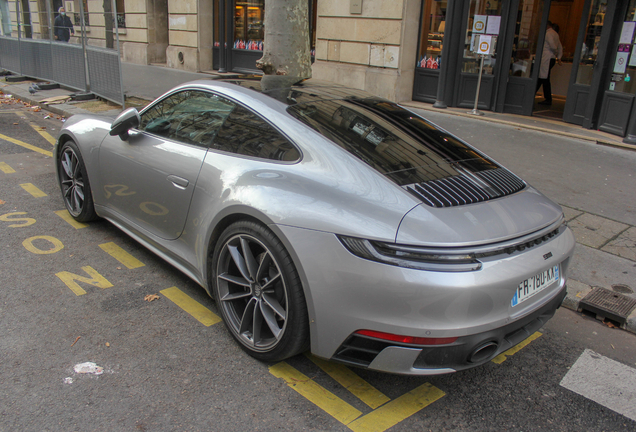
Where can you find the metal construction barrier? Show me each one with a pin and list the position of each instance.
(32, 44)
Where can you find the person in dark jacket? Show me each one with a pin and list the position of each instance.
(63, 27)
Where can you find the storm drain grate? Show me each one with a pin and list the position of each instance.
(606, 304)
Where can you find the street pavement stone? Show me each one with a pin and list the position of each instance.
(595, 231)
(570, 213)
(624, 245)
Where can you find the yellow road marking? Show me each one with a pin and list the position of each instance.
(39, 129)
(95, 279)
(57, 245)
(397, 410)
(202, 314)
(5, 168)
(26, 145)
(121, 255)
(66, 216)
(24, 222)
(502, 357)
(33, 190)
(315, 393)
(352, 382)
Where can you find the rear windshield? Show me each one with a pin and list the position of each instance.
(394, 141)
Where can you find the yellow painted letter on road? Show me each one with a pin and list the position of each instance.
(57, 245)
(95, 279)
(8, 217)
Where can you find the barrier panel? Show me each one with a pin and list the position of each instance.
(55, 46)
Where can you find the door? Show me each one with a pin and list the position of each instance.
(149, 178)
(482, 17)
(619, 86)
(525, 31)
(588, 73)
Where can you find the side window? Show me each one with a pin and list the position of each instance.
(247, 134)
(191, 117)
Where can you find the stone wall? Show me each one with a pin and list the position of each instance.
(373, 51)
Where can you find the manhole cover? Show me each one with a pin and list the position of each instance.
(622, 289)
(608, 304)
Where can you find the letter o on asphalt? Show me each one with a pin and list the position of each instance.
(57, 245)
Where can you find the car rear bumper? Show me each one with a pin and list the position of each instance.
(466, 352)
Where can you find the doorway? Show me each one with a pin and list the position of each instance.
(565, 17)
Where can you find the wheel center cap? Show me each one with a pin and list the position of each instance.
(257, 291)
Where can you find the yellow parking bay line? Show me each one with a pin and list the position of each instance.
(121, 255)
(66, 216)
(202, 314)
(5, 168)
(315, 393)
(26, 145)
(502, 357)
(33, 190)
(397, 410)
(352, 382)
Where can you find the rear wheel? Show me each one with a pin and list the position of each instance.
(73, 180)
(259, 293)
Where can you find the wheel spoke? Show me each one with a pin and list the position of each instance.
(239, 261)
(248, 317)
(273, 303)
(263, 267)
(252, 266)
(235, 296)
(268, 314)
(271, 281)
(66, 164)
(234, 279)
(257, 323)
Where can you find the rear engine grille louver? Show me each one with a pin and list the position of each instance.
(467, 188)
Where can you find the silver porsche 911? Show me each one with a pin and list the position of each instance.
(323, 217)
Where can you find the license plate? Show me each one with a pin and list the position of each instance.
(535, 284)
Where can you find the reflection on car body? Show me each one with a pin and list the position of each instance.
(323, 217)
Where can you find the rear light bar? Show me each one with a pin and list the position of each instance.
(406, 339)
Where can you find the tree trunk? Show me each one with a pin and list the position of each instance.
(286, 54)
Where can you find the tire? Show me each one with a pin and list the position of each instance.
(257, 288)
(73, 181)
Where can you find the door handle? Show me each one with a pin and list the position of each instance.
(179, 182)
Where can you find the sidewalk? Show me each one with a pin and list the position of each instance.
(601, 240)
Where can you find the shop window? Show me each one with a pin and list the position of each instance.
(248, 25)
(432, 34)
(624, 67)
(524, 48)
(484, 18)
(589, 50)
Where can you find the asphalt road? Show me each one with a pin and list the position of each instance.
(168, 365)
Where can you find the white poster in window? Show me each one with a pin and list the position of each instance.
(627, 33)
(492, 28)
(484, 44)
(632, 59)
(479, 23)
(621, 62)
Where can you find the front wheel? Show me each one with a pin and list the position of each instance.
(73, 180)
(259, 293)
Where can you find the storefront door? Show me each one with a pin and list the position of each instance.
(482, 17)
(525, 32)
(591, 62)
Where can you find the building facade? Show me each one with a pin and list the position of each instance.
(423, 50)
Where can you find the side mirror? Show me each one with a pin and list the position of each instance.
(128, 119)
